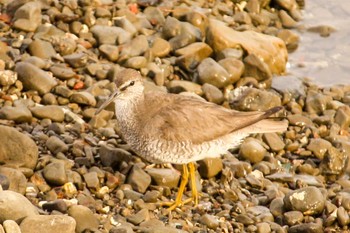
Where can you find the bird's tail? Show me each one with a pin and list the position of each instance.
(268, 126)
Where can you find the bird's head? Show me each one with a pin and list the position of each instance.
(128, 86)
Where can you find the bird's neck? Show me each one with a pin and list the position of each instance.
(127, 108)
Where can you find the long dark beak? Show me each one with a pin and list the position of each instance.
(108, 101)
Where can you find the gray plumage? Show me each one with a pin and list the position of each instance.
(170, 128)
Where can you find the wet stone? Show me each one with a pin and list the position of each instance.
(309, 200)
(316, 102)
(256, 68)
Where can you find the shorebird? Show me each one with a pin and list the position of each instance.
(171, 128)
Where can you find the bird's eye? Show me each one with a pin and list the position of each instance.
(132, 83)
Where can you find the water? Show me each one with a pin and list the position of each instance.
(324, 60)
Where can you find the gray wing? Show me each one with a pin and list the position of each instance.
(181, 118)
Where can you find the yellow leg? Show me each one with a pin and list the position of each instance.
(184, 181)
(195, 195)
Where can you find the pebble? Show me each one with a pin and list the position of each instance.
(28, 17)
(57, 205)
(34, 78)
(67, 54)
(48, 223)
(256, 100)
(274, 141)
(139, 217)
(164, 176)
(11, 226)
(76, 60)
(83, 97)
(139, 179)
(18, 114)
(190, 56)
(56, 145)
(270, 49)
(4, 182)
(40, 49)
(17, 181)
(293, 217)
(210, 221)
(111, 52)
(210, 167)
(18, 149)
(15, 206)
(319, 147)
(55, 173)
(256, 68)
(211, 72)
(212, 93)
(112, 157)
(252, 150)
(84, 218)
(52, 112)
(177, 86)
(62, 72)
(92, 180)
(308, 200)
(110, 34)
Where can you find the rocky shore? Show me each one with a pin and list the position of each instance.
(62, 169)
